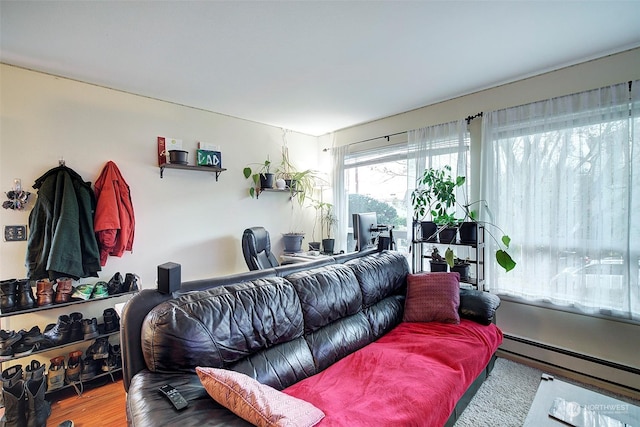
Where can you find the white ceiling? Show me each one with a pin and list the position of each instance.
(310, 66)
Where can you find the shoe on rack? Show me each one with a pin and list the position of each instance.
(24, 295)
(74, 367)
(114, 361)
(44, 292)
(8, 295)
(77, 333)
(90, 368)
(7, 340)
(14, 397)
(83, 291)
(116, 284)
(90, 328)
(131, 282)
(56, 373)
(100, 290)
(34, 371)
(64, 290)
(99, 349)
(111, 320)
(60, 333)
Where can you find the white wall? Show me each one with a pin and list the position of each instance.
(186, 217)
(609, 340)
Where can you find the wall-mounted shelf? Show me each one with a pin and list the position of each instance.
(213, 169)
(277, 190)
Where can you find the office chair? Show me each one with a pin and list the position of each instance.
(256, 247)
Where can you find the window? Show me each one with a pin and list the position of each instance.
(561, 179)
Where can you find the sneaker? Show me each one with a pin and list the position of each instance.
(99, 349)
(55, 376)
(74, 367)
(109, 364)
(100, 290)
(7, 340)
(83, 291)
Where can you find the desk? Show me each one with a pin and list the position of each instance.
(551, 388)
(301, 257)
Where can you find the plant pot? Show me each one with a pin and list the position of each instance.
(469, 233)
(463, 269)
(438, 266)
(448, 235)
(429, 231)
(314, 246)
(290, 184)
(293, 242)
(281, 184)
(266, 180)
(327, 246)
(178, 157)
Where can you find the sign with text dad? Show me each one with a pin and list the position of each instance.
(209, 158)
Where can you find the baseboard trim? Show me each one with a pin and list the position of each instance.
(615, 377)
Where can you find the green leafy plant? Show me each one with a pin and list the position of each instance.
(435, 195)
(249, 173)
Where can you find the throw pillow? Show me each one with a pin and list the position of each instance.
(432, 297)
(478, 306)
(257, 403)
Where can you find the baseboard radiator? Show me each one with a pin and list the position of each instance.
(609, 375)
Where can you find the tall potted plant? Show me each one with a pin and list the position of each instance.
(328, 221)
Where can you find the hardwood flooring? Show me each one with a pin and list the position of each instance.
(100, 405)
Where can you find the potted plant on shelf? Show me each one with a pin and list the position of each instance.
(437, 263)
(461, 266)
(328, 221)
(434, 196)
(300, 183)
(261, 178)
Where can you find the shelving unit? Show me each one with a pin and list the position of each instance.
(277, 190)
(213, 169)
(72, 305)
(421, 251)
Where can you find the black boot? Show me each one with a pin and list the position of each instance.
(37, 409)
(115, 285)
(130, 282)
(25, 295)
(60, 333)
(14, 397)
(8, 295)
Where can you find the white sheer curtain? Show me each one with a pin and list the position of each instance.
(560, 178)
(435, 147)
(340, 201)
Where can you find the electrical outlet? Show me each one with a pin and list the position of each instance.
(15, 233)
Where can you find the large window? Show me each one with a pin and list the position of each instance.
(561, 177)
(376, 181)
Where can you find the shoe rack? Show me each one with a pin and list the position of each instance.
(71, 305)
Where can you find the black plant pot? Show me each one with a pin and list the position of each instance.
(327, 246)
(314, 246)
(463, 269)
(448, 235)
(438, 266)
(178, 157)
(469, 233)
(292, 242)
(429, 231)
(266, 180)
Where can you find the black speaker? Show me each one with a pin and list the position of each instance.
(169, 277)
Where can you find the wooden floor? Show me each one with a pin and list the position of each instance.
(100, 405)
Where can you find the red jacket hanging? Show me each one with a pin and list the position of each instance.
(114, 221)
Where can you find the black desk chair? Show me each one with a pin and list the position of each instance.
(256, 247)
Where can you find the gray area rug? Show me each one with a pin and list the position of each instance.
(504, 398)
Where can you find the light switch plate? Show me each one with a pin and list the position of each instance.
(15, 233)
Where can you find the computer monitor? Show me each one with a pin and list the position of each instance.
(364, 225)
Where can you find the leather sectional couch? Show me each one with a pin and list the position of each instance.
(316, 331)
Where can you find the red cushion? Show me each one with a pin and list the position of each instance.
(432, 297)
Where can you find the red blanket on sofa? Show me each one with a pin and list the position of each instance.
(412, 376)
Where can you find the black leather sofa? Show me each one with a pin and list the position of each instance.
(212, 322)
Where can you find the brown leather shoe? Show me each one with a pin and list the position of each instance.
(44, 292)
(64, 289)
